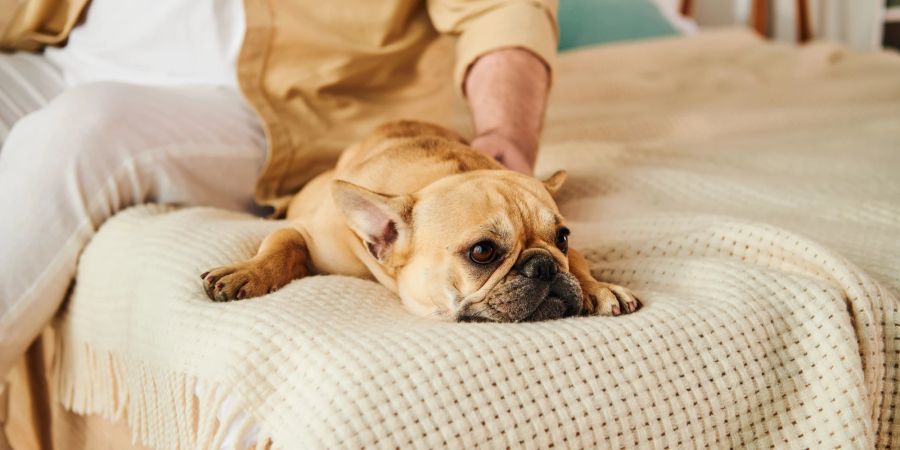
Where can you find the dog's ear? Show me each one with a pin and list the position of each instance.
(555, 182)
(378, 219)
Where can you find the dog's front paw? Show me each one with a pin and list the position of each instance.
(604, 299)
(236, 282)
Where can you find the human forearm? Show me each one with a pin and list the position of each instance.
(507, 94)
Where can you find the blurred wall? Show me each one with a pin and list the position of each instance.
(857, 23)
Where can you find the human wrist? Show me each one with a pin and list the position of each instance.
(525, 142)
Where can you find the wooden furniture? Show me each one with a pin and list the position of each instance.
(760, 17)
(891, 37)
(804, 28)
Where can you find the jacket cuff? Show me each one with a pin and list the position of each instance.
(530, 26)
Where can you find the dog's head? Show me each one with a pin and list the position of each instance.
(487, 245)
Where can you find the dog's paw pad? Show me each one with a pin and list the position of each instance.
(236, 282)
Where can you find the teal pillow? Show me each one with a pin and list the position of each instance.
(590, 22)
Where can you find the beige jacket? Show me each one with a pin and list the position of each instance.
(321, 73)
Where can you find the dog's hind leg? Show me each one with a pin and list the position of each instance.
(282, 257)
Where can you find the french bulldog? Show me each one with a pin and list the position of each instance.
(448, 229)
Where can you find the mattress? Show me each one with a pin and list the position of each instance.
(747, 191)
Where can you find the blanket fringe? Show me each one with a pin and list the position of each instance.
(163, 410)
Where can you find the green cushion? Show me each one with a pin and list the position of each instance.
(590, 22)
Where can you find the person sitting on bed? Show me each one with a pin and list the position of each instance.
(223, 103)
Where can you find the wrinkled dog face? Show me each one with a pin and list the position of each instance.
(488, 246)
(534, 289)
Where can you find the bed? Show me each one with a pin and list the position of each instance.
(748, 191)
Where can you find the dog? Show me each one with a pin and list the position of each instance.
(448, 229)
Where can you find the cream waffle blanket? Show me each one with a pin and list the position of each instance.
(749, 192)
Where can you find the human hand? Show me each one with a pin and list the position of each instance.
(507, 152)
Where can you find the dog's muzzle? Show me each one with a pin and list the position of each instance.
(534, 290)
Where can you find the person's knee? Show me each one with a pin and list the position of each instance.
(81, 126)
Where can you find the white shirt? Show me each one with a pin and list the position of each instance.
(161, 42)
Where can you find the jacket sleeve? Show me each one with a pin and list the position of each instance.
(32, 24)
(486, 25)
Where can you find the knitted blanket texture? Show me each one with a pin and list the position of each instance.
(748, 192)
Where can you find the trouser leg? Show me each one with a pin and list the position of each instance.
(94, 150)
(27, 83)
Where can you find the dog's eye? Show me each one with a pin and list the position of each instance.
(562, 239)
(483, 252)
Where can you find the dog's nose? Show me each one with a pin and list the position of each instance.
(539, 265)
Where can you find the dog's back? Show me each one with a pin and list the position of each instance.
(396, 158)
(405, 156)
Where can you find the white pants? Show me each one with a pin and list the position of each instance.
(73, 157)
